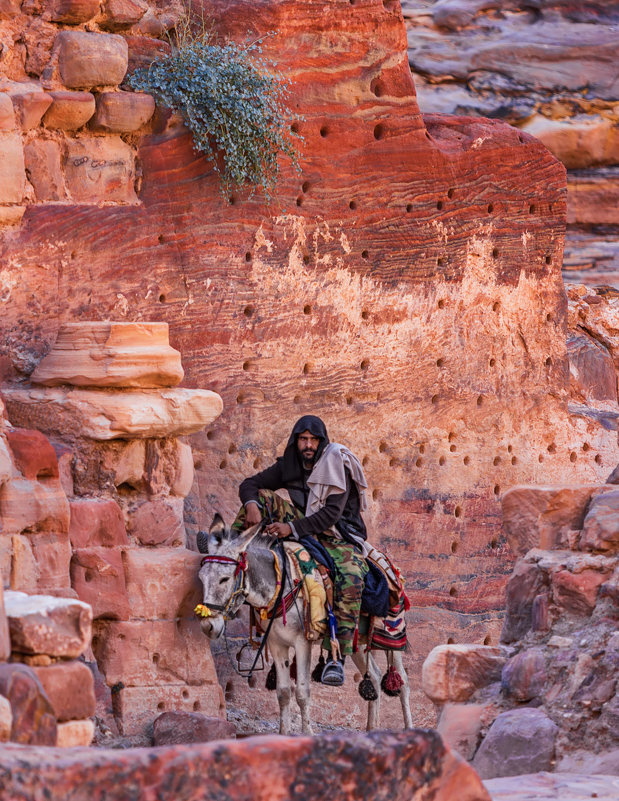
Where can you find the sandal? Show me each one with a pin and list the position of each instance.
(333, 673)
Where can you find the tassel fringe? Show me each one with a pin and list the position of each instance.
(366, 689)
(392, 682)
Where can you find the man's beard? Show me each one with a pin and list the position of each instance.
(308, 457)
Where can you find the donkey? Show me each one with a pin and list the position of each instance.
(241, 569)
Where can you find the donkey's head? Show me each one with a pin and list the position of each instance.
(220, 573)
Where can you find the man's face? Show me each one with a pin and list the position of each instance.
(307, 444)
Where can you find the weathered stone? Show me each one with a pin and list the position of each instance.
(7, 467)
(111, 354)
(543, 517)
(98, 577)
(40, 624)
(96, 521)
(33, 506)
(419, 766)
(73, 12)
(177, 728)
(593, 198)
(601, 525)
(122, 13)
(7, 115)
(33, 454)
(577, 592)
(30, 104)
(33, 720)
(12, 169)
(162, 582)
(184, 473)
(540, 620)
(454, 672)
(6, 719)
(525, 585)
(460, 727)
(519, 741)
(91, 59)
(143, 51)
(38, 38)
(41, 562)
(143, 653)
(549, 786)
(592, 371)
(69, 110)
(127, 466)
(5, 641)
(122, 112)
(69, 687)
(101, 415)
(524, 675)
(579, 141)
(11, 215)
(158, 522)
(98, 170)
(74, 733)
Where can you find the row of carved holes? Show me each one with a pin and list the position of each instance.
(487, 640)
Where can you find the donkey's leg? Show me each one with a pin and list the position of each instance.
(281, 658)
(405, 691)
(374, 673)
(303, 651)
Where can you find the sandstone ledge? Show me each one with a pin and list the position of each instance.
(102, 415)
(403, 766)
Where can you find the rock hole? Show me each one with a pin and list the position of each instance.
(296, 399)
(552, 448)
(495, 253)
(256, 463)
(549, 318)
(540, 458)
(422, 448)
(393, 461)
(466, 459)
(457, 512)
(419, 463)
(451, 436)
(434, 398)
(240, 398)
(365, 364)
(248, 256)
(352, 205)
(307, 367)
(88, 576)
(382, 447)
(324, 131)
(161, 239)
(441, 460)
(439, 205)
(441, 304)
(185, 693)
(490, 208)
(428, 136)
(210, 434)
(161, 706)
(548, 362)
(229, 689)
(450, 193)
(494, 544)
(375, 494)
(305, 187)
(349, 400)
(521, 139)
(223, 464)
(197, 463)
(497, 489)
(492, 362)
(232, 448)
(496, 461)
(586, 447)
(453, 591)
(480, 400)
(409, 207)
(440, 262)
(246, 365)
(487, 640)
(532, 208)
(548, 259)
(294, 127)
(440, 362)
(365, 314)
(232, 200)
(377, 89)
(248, 311)
(573, 456)
(496, 306)
(509, 449)
(196, 706)
(161, 298)
(306, 259)
(379, 131)
(598, 459)
(450, 640)
(364, 254)
(365, 460)
(73, 255)
(514, 460)
(452, 448)
(454, 547)
(299, 201)
(307, 309)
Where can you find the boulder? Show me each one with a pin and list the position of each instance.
(69, 110)
(75, 733)
(98, 522)
(577, 592)
(566, 786)
(6, 719)
(41, 624)
(98, 170)
(30, 103)
(7, 114)
(69, 687)
(143, 51)
(580, 141)
(7, 466)
(183, 473)
(122, 112)
(519, 741)
(111, 354)
(460, 726)
(162, 582)
(43, 162)
(104, 415)
(33, 454)
(33, 506)
(601, 525)
(118, 14)
(176, 728)
(158, 522)
(12, 168)
(524, 675)
(91, 59)
(72, 12)
(98, 577)
(11, 215)
(33, 720)
(454, 672)
(592, 371)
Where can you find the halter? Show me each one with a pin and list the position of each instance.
(239, 580)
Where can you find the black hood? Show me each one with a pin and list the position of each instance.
(292, 465)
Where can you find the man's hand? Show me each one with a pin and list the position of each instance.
(253, 515)
(280, 530)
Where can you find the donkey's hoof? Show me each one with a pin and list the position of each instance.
(333, 673)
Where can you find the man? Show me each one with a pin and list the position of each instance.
(326, 486)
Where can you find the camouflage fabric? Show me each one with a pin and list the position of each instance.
(350, 567)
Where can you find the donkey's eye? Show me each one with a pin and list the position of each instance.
(223, 580)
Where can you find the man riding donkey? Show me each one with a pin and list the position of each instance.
(326, 487)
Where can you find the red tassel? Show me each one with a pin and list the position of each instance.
(293, 669)
(407, 603)
(392, 682)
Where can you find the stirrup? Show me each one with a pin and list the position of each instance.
(333, 674)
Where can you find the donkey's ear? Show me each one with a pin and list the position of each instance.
(218, 529)
(202, 541)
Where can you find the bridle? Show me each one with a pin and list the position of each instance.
(239, 582)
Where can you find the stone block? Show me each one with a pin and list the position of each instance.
(7, 114)
(601, 525)
(75, 733)
(65, 467)
(143, 51)
(126, 463)
(102, 415)
(141, 653)
(519, 741)
(30, 104)
(118, 14)
(43, 163)
(41, 624)
(70, 689)
(136, 708)
(33, 454)
(460, 727)
(526, 583)
(162, 582)
(122, 112)
(96, 521)
(111, 354)
(98, 170)
(524, 675)
(33, 720)
(158, 522)
(69, 110)
(12, 168)
(184, 472)
(40, 562)
(577, 593)
(73, 12)
(592, 371)
(176, 728)
(5, 640)
(98, 577)
(33, 506)
(91, 59)
(11, 215)
(454, 672)
(543, 517)
(6, 719)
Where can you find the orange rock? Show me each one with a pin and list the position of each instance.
(7, 115)
(111, 354)
(98, 170)
(40, 562)
(460, 726)
(122, 112)
(454, 672)
(151, 593)
(7, 467)
(91, 59)
(33, 721)
(33, 505)
(97, 576)
(6, 719)
(74, 733)
(158, 522)
(577, 592)
(593, 199)
(601, 525)
(73, 12)
(69, 110)
(122, 13)
(34, 455)
(5, 642)
(69, 686)
(96, 521)
(592, 372)
(12, 169)
(30, 103)
(143, 50)
(580, 141)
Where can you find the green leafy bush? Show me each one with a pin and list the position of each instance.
(233, 103)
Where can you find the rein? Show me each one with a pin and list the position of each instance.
(239, 580)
